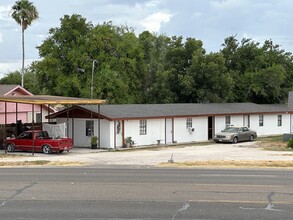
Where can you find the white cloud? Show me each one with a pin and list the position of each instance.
(229, 4)
(42, 36)
(153, 22)
(138, 15)
(5, 12)
(152, 4)
(7, 66)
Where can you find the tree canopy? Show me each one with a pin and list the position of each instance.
(151, 68)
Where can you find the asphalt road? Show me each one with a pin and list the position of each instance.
(141, 193)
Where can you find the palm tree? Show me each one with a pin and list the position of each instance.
(24, 13)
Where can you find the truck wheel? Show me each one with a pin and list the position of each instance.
(46, 149)
(10, 148)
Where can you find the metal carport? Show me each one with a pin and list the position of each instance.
(47, 100)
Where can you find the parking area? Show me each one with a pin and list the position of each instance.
(246, 151)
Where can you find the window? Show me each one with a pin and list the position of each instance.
(38, 117)
(118, 127)
(279, 120)
(228, 120)
(188, 123)
(142, 127)
(26, 135)
(260, 120)
(89, 128)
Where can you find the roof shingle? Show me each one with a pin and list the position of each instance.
(179, 110)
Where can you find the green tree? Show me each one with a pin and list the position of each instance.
(250, 65)
(155, 78)
(24, 13)
(212, 81)
(15, 77)
(64, 53)
(178, 59)
(266, 85)
(11, 78)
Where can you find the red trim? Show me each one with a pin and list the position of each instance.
(173, 130)
(115, 135)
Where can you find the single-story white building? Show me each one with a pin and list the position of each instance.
(149, 124)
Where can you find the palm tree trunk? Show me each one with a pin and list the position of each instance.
(22, 68)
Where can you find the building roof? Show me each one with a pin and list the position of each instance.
(138, 111)
(6, 89)
(180, 110)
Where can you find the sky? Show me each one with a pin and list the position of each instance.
(208, 20)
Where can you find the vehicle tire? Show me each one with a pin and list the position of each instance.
(61, 151)
(10, 147)
(46, 149)
(251, 138)
(235, 140)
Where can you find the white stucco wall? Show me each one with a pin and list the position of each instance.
(235, 120)
(182, 134)
(80, 138)
(270, 124)
(219, 123)
(107, 134)
(155, 131)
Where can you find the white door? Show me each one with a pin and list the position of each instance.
(169, 130)
(118, 130)
(246, 120)
(291, 128)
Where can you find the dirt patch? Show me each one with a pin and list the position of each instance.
(62, 163)
(39, 163)
(274, 143)
(230, 163)
(12, 155)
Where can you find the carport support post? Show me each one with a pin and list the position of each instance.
(5, 128)
(99, 126)
(33, 127)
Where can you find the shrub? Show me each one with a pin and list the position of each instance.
(94, 140)
(290, 144)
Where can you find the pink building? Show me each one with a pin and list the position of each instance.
(18, 111)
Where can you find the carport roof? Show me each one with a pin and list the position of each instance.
(50, 100)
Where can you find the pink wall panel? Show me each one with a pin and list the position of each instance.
(11, 118)
(11, 107)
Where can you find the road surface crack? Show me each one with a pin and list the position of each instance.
(18, 191)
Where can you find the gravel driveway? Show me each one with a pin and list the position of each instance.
(246, 151)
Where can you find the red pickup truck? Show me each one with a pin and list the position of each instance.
(38, 141)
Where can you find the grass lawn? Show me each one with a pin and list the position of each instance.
(273, 143)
